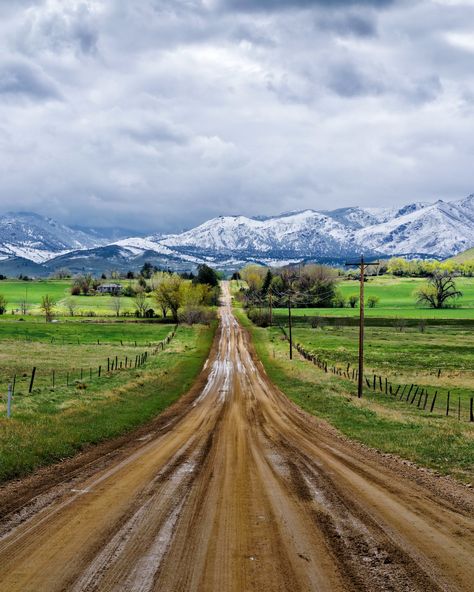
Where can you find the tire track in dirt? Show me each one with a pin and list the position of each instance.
(239, 491)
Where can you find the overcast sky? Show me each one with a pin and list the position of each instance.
(158, 114)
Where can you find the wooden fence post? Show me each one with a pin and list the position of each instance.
(447, 404)
(33, 372)
(433, 402)
(9, 401)
(471, 409)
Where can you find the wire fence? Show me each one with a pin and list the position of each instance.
(418, 396)
(77, 377)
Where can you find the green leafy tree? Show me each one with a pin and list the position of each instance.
(206, 275)
(439, 291)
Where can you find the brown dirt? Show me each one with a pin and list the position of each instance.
(235, 489)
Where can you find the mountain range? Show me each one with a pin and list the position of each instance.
(35, 245)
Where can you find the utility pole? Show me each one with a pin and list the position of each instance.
(363, 266)
(289, 326)
(270, 304)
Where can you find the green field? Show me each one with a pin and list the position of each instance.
(383, 422)
(17, 291)
(439, 359)
(69, 349)
(54, 422)
(396, 300)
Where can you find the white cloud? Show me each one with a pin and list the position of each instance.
(159, 114)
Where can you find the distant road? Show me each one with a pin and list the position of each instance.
(236, 489)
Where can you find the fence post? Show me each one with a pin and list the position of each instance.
(100, 370)
(426, 399)
(9, 401)
(471, 409)
(447, 404)
(433, 402)
(33, 372)
(53, 381)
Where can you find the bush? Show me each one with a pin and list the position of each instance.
(372, 301)
(339, 301)
(317, 322)
(128, 291)
(192, 315)
(353, 300)
(261, 318)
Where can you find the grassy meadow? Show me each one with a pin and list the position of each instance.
(18, 291)
(396, 299)
(54, 422)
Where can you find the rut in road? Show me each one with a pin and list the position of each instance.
(239, 491)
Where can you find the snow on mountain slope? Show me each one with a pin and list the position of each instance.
(306, 233)
(439, 229)
(433, 229)
(34, 237)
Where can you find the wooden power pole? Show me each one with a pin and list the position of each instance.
(363, 266)
(289, 326)
(270, 305)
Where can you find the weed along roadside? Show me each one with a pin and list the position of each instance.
(87, 405)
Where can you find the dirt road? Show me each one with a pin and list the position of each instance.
(236, 489)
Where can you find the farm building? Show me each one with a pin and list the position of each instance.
(113, 289)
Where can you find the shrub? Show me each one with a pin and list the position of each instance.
(191, 315)
(372, 301)
(339, 300)
(261, 318)
(353, 300)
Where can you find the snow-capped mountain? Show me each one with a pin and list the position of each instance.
(439, 229)
(295, 235)
(37, 238)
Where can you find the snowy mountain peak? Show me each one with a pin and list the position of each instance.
(438, 229)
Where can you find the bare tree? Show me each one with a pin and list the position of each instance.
(140, 302)
(47, 306)
(439, 290)
(117, 304)
(71, 306)
(24, 307)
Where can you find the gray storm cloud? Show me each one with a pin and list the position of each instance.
(158, 115)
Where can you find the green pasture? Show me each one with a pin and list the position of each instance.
(396, 299)
(54, 422)
(80, 332)
(18, 291)
(438, 359)
(70, 350)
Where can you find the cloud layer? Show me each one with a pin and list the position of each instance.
(160, 113)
